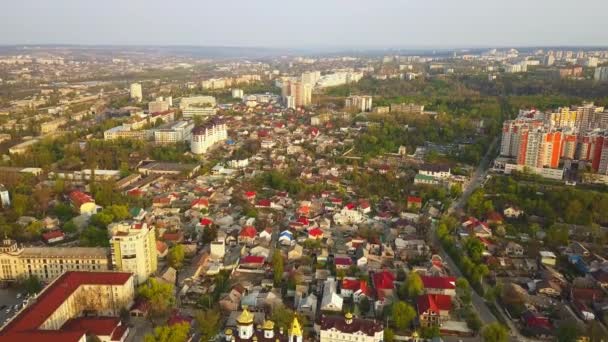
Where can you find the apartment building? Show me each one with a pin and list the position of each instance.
(47, 263)
(176, 132)
(360, 103)
(205, 136)
(53, 125)
(58, 312)
(133, 249)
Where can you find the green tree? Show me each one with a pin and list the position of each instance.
(463, 290)
(402, 315)
(174, 333)
(413, 285)
(495, 332)
(63, 211)
(31, 284)
(364, 305)
(69, 227)
(568, 332)
(278, 267)
(161, 297)
(176, 256)
(389, 335)
(20, 204)
(207, 323)
(429, 332)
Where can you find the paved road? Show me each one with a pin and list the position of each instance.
(482, 308)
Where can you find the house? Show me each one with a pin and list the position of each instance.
(433, 309)
(495, 218)
(474, 227)
(384, 285)
(343, 263)
(547, 258)
(583, 300)
(512, 212)
(348, 328)
(250, 196)
(247, 234)
(252, 262)
(439, 285)
(435, 171)
(355, 288)
(53, 236)
(536, 324)
(295, 253)
(315, 234)
(331, 300)
(266, 234)
(414, 202)
(161, 249)
(231, 300)
(514, 249)
(548, 288)
(285, 237)
(83, 203)
(200, 204)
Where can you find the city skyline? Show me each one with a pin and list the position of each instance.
(314, 24)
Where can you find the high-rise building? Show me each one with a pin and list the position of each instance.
(311, 77)
(601, 74)
(360, 103)
(133, 249)
(160, 105)
(205, 136)
(136, 93)
(301, 93)
(5, 198)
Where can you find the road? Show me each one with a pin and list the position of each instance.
(477, 179)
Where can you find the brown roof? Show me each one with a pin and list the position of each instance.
(366, 326)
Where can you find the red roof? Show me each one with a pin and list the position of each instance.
(252, 259)
(351, 206)
(446, 283)
(315, 232)
(343, 261)
(303, 220)
(206, 221)
(44, 336)
(55, 295)
(119, 333)
(414, 199)
(201, 202)
(79, 198)
(248, 231)
(434, 302)
(384, 280)
(99, 326)
(53, 234)
(250, 194)
(264, 203)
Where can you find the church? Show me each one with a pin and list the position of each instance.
(245, 330)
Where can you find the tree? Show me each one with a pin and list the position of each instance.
(174, 333)
(495, 332)
(69, 227)
(413, 285)
(278, 267)
(429, 332)
(364, 305)
(207, 323)
(473, 321)
(389, 335)
(31, 284)
(283, 317)
(474, 248)
(42, 197)
(568, 332)
(463, 290)
(160, 295)
(176, 256)
(402, 314)
(20, 204)
(63, 211)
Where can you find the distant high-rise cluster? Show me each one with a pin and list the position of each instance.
(538, 139)
(360, 103)
(296, 94)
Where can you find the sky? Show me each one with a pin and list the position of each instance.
(306, 23)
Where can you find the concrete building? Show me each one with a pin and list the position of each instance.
(174, 132)
(133, 249)
(125, 132)
(136, 93)
(160, 105)
(348, 328)
(601, 74)
(51, 126)
(47, 263)
(197, 106)
(359, 103)
(205, 136)
(301, 93)
(5, 198)
(75, 305)
(237, 93)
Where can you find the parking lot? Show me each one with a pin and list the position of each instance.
(8, 300)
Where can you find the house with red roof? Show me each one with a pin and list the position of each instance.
(384, 285)
(414, 202)
(495, 218)
(357, 288)
(475, 227)
(206, 222)
(315, 234)
(343, 263)
(200, 204)
(247, 234)
(53, 236)
(536, 324)
(433, 309)
(84, 203)
(252, 261)
(439, 285)
(250, 196)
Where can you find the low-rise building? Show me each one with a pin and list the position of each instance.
(349, 328)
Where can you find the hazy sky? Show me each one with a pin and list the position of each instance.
(306, 23)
